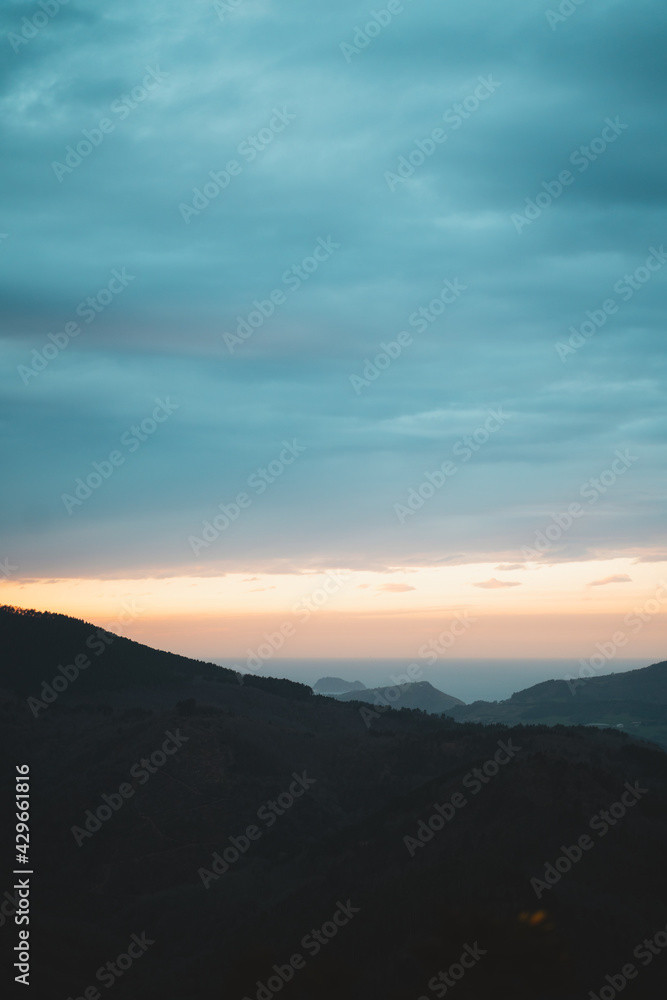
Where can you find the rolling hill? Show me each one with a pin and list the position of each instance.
(418, 694)
(268, 840)
(635, 700)
(336, 686)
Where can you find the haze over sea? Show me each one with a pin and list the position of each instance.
(467, 679)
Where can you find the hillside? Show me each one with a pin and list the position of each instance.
(336, 686)
(272, 812)
(635, 700)
(418, 694)
(38, 647)
(645, 684)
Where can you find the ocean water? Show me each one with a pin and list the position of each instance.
(470, 680)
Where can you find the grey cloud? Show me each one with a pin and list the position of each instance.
(324, 175)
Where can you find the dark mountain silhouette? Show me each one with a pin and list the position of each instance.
(36, 645)
(275, 810)
(336, 685)
(418, 694)
(635, 700)
(645, 684)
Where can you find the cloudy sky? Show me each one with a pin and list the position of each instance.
(376, 294)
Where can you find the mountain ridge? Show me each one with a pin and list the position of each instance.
(414, 694)
(225, 868)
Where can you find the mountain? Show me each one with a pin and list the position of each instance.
(418, 694)
(39, 646)
(254, 837)
(635, 700)
(336, 685)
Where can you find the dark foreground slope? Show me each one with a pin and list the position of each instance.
(307, 809)
(38, 647)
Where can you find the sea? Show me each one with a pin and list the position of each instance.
(467, 679)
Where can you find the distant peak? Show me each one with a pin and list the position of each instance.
(336, 685)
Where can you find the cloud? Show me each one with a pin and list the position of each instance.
(324, 176)
(655, 558)
(494, 584)
(395, 588)
(510, 568)
(617, 578)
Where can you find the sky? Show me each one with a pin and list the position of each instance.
(306, 303)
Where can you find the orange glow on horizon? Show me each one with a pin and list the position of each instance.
(537, 611)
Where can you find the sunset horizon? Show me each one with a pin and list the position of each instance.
(333, 564)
